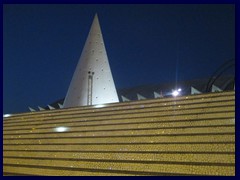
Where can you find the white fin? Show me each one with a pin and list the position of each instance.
(50, 107)
(215, 88)
(40, 108)
(140, 97)
(60, 105)
(124, 99)
(31, 109)
(195, 91)
(157, 95)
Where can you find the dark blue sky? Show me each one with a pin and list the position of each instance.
(145, 44)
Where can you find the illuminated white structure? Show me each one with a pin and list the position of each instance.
(195, 91)
(216, 89)
(140, 97)
(92, 82)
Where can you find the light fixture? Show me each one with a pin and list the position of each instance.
(176, 92)
(99, 105)
(7, 115)
(61, 129)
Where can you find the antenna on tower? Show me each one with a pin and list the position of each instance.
(90, 87)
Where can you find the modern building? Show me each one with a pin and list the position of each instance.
(92, 82)
(166, 129)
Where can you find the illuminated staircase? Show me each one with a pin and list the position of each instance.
(188, 135)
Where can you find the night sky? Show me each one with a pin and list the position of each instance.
(146, 44)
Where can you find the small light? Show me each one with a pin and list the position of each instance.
(99, 106)
(179, 89)
(61, 129)
(7, 115)
(175, 93)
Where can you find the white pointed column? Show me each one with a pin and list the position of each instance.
(92, 82)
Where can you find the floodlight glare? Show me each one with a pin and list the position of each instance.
(175, 93)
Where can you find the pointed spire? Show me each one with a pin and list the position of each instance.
(140, 97)
(92, 82)
(124, 99)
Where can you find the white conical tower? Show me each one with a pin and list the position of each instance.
(92, 82)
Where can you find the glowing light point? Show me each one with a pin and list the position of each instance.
(99, 106)
(6, 115)
(175, 93)
(61, 129)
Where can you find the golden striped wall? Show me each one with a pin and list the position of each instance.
(188, 135)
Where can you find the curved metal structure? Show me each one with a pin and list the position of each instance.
(223, 68)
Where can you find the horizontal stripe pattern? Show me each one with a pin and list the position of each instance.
(188, 135)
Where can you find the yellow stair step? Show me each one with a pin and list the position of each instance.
(156, 157)
(218, 137)
(163, 167)
(224, 147)
(75, 132)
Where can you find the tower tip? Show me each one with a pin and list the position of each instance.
(95, 19)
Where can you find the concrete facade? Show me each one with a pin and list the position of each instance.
(92, 82)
